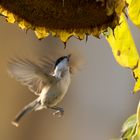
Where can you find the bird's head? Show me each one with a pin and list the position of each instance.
(62, 63)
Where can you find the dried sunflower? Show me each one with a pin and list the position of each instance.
(64, 18)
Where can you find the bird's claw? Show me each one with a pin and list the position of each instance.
(59, 112)
(15, 123)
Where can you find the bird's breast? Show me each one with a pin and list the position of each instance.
(57, 92)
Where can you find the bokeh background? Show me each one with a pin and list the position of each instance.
(98, 101)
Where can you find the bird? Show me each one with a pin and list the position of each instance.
(50, 87)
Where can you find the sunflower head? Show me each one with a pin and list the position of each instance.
(64, 18)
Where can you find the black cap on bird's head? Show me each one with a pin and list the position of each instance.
(61, 59)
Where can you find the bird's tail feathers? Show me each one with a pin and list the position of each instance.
(33, 106)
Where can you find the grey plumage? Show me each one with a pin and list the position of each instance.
(30, 74)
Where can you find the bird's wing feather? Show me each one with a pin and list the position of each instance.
(30, 74)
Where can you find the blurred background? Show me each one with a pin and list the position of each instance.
(98, 101)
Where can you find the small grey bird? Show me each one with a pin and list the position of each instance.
(50, 88)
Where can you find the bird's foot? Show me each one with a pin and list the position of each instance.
(59, 111)
(15, 123)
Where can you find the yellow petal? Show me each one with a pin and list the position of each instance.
(134, 11)
(119, 6)
(24, 25)
(10, 18)
(137, 86)
(1, 9)
(136, 72)
(122, 44)
(79, 35)
(4, 13)
(64, 36)
(41, 32)
(53, 33)
(128, 1)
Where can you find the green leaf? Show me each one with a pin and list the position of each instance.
(129, 127)
(129, 123)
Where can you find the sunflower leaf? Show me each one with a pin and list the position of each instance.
(134, 11)
(124, 49)
(122, 44)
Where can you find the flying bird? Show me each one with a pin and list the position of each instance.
(50, 87)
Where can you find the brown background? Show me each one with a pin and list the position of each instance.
(99, 99)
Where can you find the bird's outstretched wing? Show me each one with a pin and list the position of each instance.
(30, 74)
